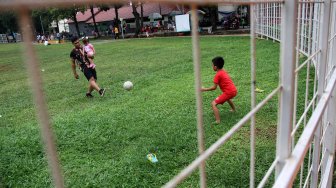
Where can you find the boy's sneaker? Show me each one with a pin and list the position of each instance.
(102, 92)
(89, 95)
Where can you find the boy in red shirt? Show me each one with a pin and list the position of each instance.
(223, 80)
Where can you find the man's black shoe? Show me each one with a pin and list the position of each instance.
(102, 92)
(89, 95)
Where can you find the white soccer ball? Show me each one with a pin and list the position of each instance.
(128, 85)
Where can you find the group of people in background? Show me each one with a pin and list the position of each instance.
(41, 38)
(152, 28)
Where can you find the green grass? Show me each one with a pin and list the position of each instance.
(103, 142)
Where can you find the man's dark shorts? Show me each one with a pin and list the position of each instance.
(88, 72)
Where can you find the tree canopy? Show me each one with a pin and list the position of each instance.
(8, 22)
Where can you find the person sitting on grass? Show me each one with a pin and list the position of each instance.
(89, 52)
(223, 80)
(77, 56)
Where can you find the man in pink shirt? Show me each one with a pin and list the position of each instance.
(223, 80)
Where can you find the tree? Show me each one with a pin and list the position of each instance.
(116, 7)
(72, 13)
(213, 15)
(42, 19)
(137, 18)
(74, 17)
(94, 20)
(103, 7)
(213, 10)
(141, 10)
(55, 15)
(8, 22)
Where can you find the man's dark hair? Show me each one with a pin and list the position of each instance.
(73, 39)
(218, 62)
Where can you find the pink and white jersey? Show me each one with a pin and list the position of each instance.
(88, 48)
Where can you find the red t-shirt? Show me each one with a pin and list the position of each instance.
(224, 81)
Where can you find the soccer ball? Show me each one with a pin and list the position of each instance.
(128, 85)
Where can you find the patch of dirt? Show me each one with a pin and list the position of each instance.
(5, 68)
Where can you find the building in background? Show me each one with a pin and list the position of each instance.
(105, 19)
(63, 26)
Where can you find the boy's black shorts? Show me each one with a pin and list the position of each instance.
(88, 73)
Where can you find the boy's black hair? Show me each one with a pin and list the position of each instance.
(74, 38)
(218, 62)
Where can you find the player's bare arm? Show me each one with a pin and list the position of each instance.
(73, 67)
(214, 87)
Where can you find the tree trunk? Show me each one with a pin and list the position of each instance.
(214, 17)
(117, 16)
(137, 22)
(76, 23)
(57, 26)
(94, 21)
(141, 15)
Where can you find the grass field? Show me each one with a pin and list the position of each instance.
(103, 142)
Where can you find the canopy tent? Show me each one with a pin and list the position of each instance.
(154, 16)
(198, 11)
